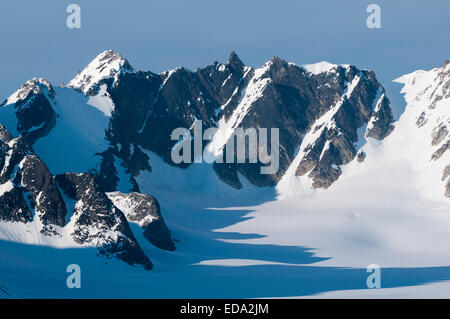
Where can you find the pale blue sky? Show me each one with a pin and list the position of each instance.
(160, 35)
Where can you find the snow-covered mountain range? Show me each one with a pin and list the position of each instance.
(80, 162)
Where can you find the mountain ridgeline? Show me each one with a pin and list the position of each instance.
(70, 156)
(328, 107)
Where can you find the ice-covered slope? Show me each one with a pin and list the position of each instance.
(65, 130)
(424, 128)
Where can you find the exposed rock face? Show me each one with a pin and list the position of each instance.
(381, 121)
(421, 120)
(13, 206)
(96, 221)
(27, 186)
(441, 150)
(41, 185)
(439, 134)
(145, 211)
(331, 135)
(334, 103)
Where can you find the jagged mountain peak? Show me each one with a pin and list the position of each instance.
(276, 59)
(33, 86)
(234, 61)
(108, 64)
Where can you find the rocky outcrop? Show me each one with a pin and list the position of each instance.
(440, 151)
(361, 156)
(96, 221)
(332, 132)
(439, 134)
(27, 187)
(145, 211)
(48, 203)
(380, 124)
(13, 206)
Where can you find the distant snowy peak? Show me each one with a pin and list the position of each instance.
(34, 86)
(323, 67)
(108, 64)
(29, 111)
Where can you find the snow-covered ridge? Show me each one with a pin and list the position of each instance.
(35, 85)
(426, 86)
(107, 64)
(421, 136)
(322, 67)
